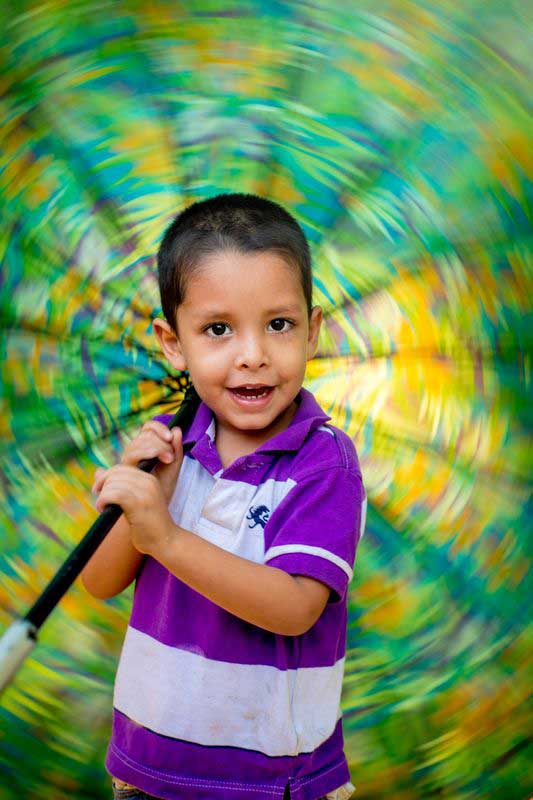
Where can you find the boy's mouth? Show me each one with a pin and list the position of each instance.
(251, 393)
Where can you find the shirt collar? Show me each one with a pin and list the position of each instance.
(309, 415)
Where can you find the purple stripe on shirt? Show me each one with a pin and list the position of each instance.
(222, 636)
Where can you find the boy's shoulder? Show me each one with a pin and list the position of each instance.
(325, 447)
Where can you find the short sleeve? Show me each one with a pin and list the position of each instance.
(315, 530)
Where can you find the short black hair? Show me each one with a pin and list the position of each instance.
(243, 222)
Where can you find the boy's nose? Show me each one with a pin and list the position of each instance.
(252, 353)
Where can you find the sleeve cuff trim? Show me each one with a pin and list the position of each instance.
(281, 550)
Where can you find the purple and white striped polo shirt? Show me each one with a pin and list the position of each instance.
(206, 705)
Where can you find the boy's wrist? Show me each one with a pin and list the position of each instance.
(161, 546)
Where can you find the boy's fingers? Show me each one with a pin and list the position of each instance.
(149, 446)
(167, 434)
(161, 430)
(98, 476)
(174, 449)
(145, 448)
(153, 440)
(176, 437)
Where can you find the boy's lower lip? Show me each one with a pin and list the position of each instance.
(248, 402)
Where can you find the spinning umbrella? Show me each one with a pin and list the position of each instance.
(397, 135)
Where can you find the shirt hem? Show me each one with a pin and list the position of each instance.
(167, 787)
(121, 766)
(319, 784)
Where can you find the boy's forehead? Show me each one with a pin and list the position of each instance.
(230, 283)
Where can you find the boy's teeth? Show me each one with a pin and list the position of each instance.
(253, 394)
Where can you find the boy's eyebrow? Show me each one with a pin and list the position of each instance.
(217, 312)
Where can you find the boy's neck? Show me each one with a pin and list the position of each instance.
(231, 444)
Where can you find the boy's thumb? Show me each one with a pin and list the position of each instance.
(168, 472)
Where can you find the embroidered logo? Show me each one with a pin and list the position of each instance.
(259, 514)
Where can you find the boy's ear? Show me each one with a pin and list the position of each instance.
(170, 344)
(315, 322)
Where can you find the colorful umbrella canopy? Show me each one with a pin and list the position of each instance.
(397, 135)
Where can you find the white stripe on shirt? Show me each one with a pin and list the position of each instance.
(253, 706)
(283, 549)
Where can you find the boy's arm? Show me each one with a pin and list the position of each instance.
(264, 596)
(285, 600)
(114, 565)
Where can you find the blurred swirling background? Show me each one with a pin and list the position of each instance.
(397, 133)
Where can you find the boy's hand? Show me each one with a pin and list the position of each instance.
(144, 496)
(155, 439)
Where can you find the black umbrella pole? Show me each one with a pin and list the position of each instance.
(20, 638)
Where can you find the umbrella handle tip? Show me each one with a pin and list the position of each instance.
(16, 643)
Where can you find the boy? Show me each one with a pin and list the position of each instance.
(242, 542)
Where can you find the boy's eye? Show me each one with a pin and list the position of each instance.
(276, 323)
(216, 328)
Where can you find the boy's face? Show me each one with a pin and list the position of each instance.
(244, 322)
